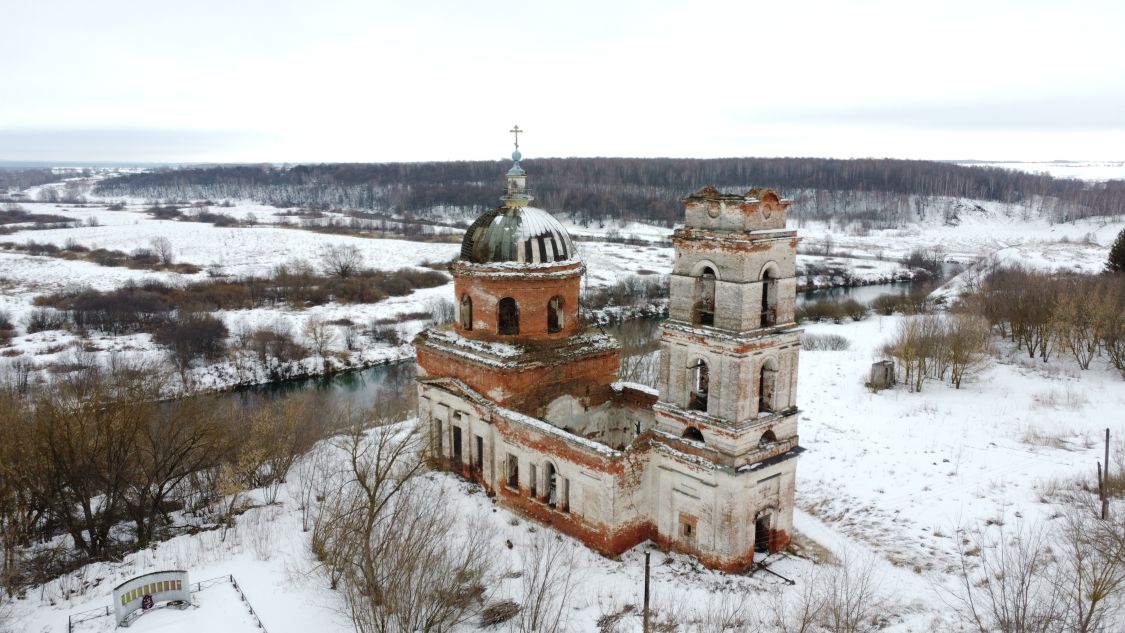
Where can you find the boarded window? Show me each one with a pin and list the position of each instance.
(466, 312)
(767, 383)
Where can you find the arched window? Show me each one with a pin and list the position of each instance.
(555, 314)
(703, 307)
(700, 385)
(509, 321)
(693, 434)
(466, 312)
(767, 380)
(767, 438)
(551, 495)
(769, 297)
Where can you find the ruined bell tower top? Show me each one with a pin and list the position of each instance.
(759, 209)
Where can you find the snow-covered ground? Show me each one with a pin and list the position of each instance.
(893, 475)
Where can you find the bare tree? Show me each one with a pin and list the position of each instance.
(341, 260)
(319, 335)
(548, 581)
(388, 538)
(162, 247)
(967, 343)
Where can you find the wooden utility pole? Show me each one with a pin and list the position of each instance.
(646, 615)
(1105, 480)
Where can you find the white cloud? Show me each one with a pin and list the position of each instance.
(294, 81)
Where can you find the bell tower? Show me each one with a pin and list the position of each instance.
(729, 368)
(728, 374)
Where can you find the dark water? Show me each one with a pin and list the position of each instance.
(386, 390)
(867, 294)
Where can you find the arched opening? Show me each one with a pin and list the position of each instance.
(769, 297)
(551, 485)
(555, 314)
(703, 306)
(509, 321)
(767, 382)
(700, 385)
(693, 434)
(466, 312)
(767, 439)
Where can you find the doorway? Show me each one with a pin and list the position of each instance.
(762, 534)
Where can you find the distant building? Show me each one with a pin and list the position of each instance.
(520, 396)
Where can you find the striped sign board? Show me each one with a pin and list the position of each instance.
(159, 586)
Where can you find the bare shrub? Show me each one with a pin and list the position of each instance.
(825, 342)
(852, 599)
(498, 613)
(386, 333)
(275, 341)
(192, 335)
(442, 311)
(43, 319)
(1005, 582)
(352, 337)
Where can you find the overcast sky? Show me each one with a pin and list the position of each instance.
(285, 81)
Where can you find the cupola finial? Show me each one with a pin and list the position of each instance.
(518, 194)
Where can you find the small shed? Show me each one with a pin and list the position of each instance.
(882, 375)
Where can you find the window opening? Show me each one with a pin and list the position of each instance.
(509, 321)
(513, 472)
(693, 434)
(700, 386)
(552, 492)
(555, 314)
(769, 299)
(457, 445)
(703, 312)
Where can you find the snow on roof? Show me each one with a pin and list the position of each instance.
(547, 427)
(621, 385)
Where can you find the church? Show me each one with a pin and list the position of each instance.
(519, 395)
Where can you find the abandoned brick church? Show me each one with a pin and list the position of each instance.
(522, 397)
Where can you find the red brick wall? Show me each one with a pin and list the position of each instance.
(531, 292)
(530, 388)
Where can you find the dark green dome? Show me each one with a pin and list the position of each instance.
(517, 234)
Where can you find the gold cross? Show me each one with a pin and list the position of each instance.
(516, 130)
